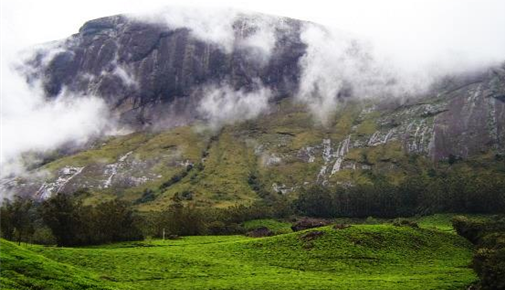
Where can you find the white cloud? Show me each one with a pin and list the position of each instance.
(216, 25)
(223, 105)
(29, 122)
(211, 24)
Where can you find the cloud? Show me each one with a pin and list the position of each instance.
(223, 105)
(335, 65)
(31, 123)
(338, 65)
(227, 28)
(213, 25)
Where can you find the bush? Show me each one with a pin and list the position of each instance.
(43, 236)
(472, 230)
(182, 221)
(401, 222)
(221, 228)
(489, 258)
(490, 266)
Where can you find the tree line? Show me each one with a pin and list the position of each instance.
(64, 220)
(417, 195)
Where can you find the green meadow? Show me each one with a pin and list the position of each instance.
(380, 256)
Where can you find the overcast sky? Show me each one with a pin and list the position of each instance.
(407, 28)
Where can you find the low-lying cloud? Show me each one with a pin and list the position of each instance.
(227, 28)
(32, 123)
(337, 65)
(221, 104)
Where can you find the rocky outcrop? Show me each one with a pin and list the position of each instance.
(148, 72)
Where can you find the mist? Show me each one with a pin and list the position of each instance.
(222, 105)
(216, 25)
(32, 123)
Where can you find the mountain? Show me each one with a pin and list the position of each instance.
(150, 72)
(155, 76)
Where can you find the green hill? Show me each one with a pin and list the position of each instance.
(359, 257)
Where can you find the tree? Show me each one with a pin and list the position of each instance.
(15, 219)
(113, 221)
(316, 201)
(183, 220)
(61, 214)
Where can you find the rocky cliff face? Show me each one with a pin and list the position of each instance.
(150, 73)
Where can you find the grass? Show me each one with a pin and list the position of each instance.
(359, 257)
(443, 222)
(23, 269)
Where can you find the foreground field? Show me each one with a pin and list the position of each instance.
(360, 257)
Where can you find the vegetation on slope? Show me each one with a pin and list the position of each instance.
(488, 234)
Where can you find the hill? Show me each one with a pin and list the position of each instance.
(359, 257)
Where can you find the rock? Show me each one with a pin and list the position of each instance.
(308, 223)
(310, 236)
(260, 232)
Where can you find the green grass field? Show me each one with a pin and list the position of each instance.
(359, 257)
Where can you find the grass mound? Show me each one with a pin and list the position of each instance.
(22, 269)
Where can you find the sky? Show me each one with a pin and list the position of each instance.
(442, 34)
(406, 28)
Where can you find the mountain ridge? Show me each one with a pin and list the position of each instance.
(150, 74)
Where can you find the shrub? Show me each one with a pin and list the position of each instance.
(43, 236)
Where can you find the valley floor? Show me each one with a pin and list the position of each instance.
(359, 257)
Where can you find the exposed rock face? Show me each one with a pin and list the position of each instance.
(473, 119)
(147, 71)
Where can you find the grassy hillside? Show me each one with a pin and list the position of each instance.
(282, 151)
(23, 269)
(359, 257)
